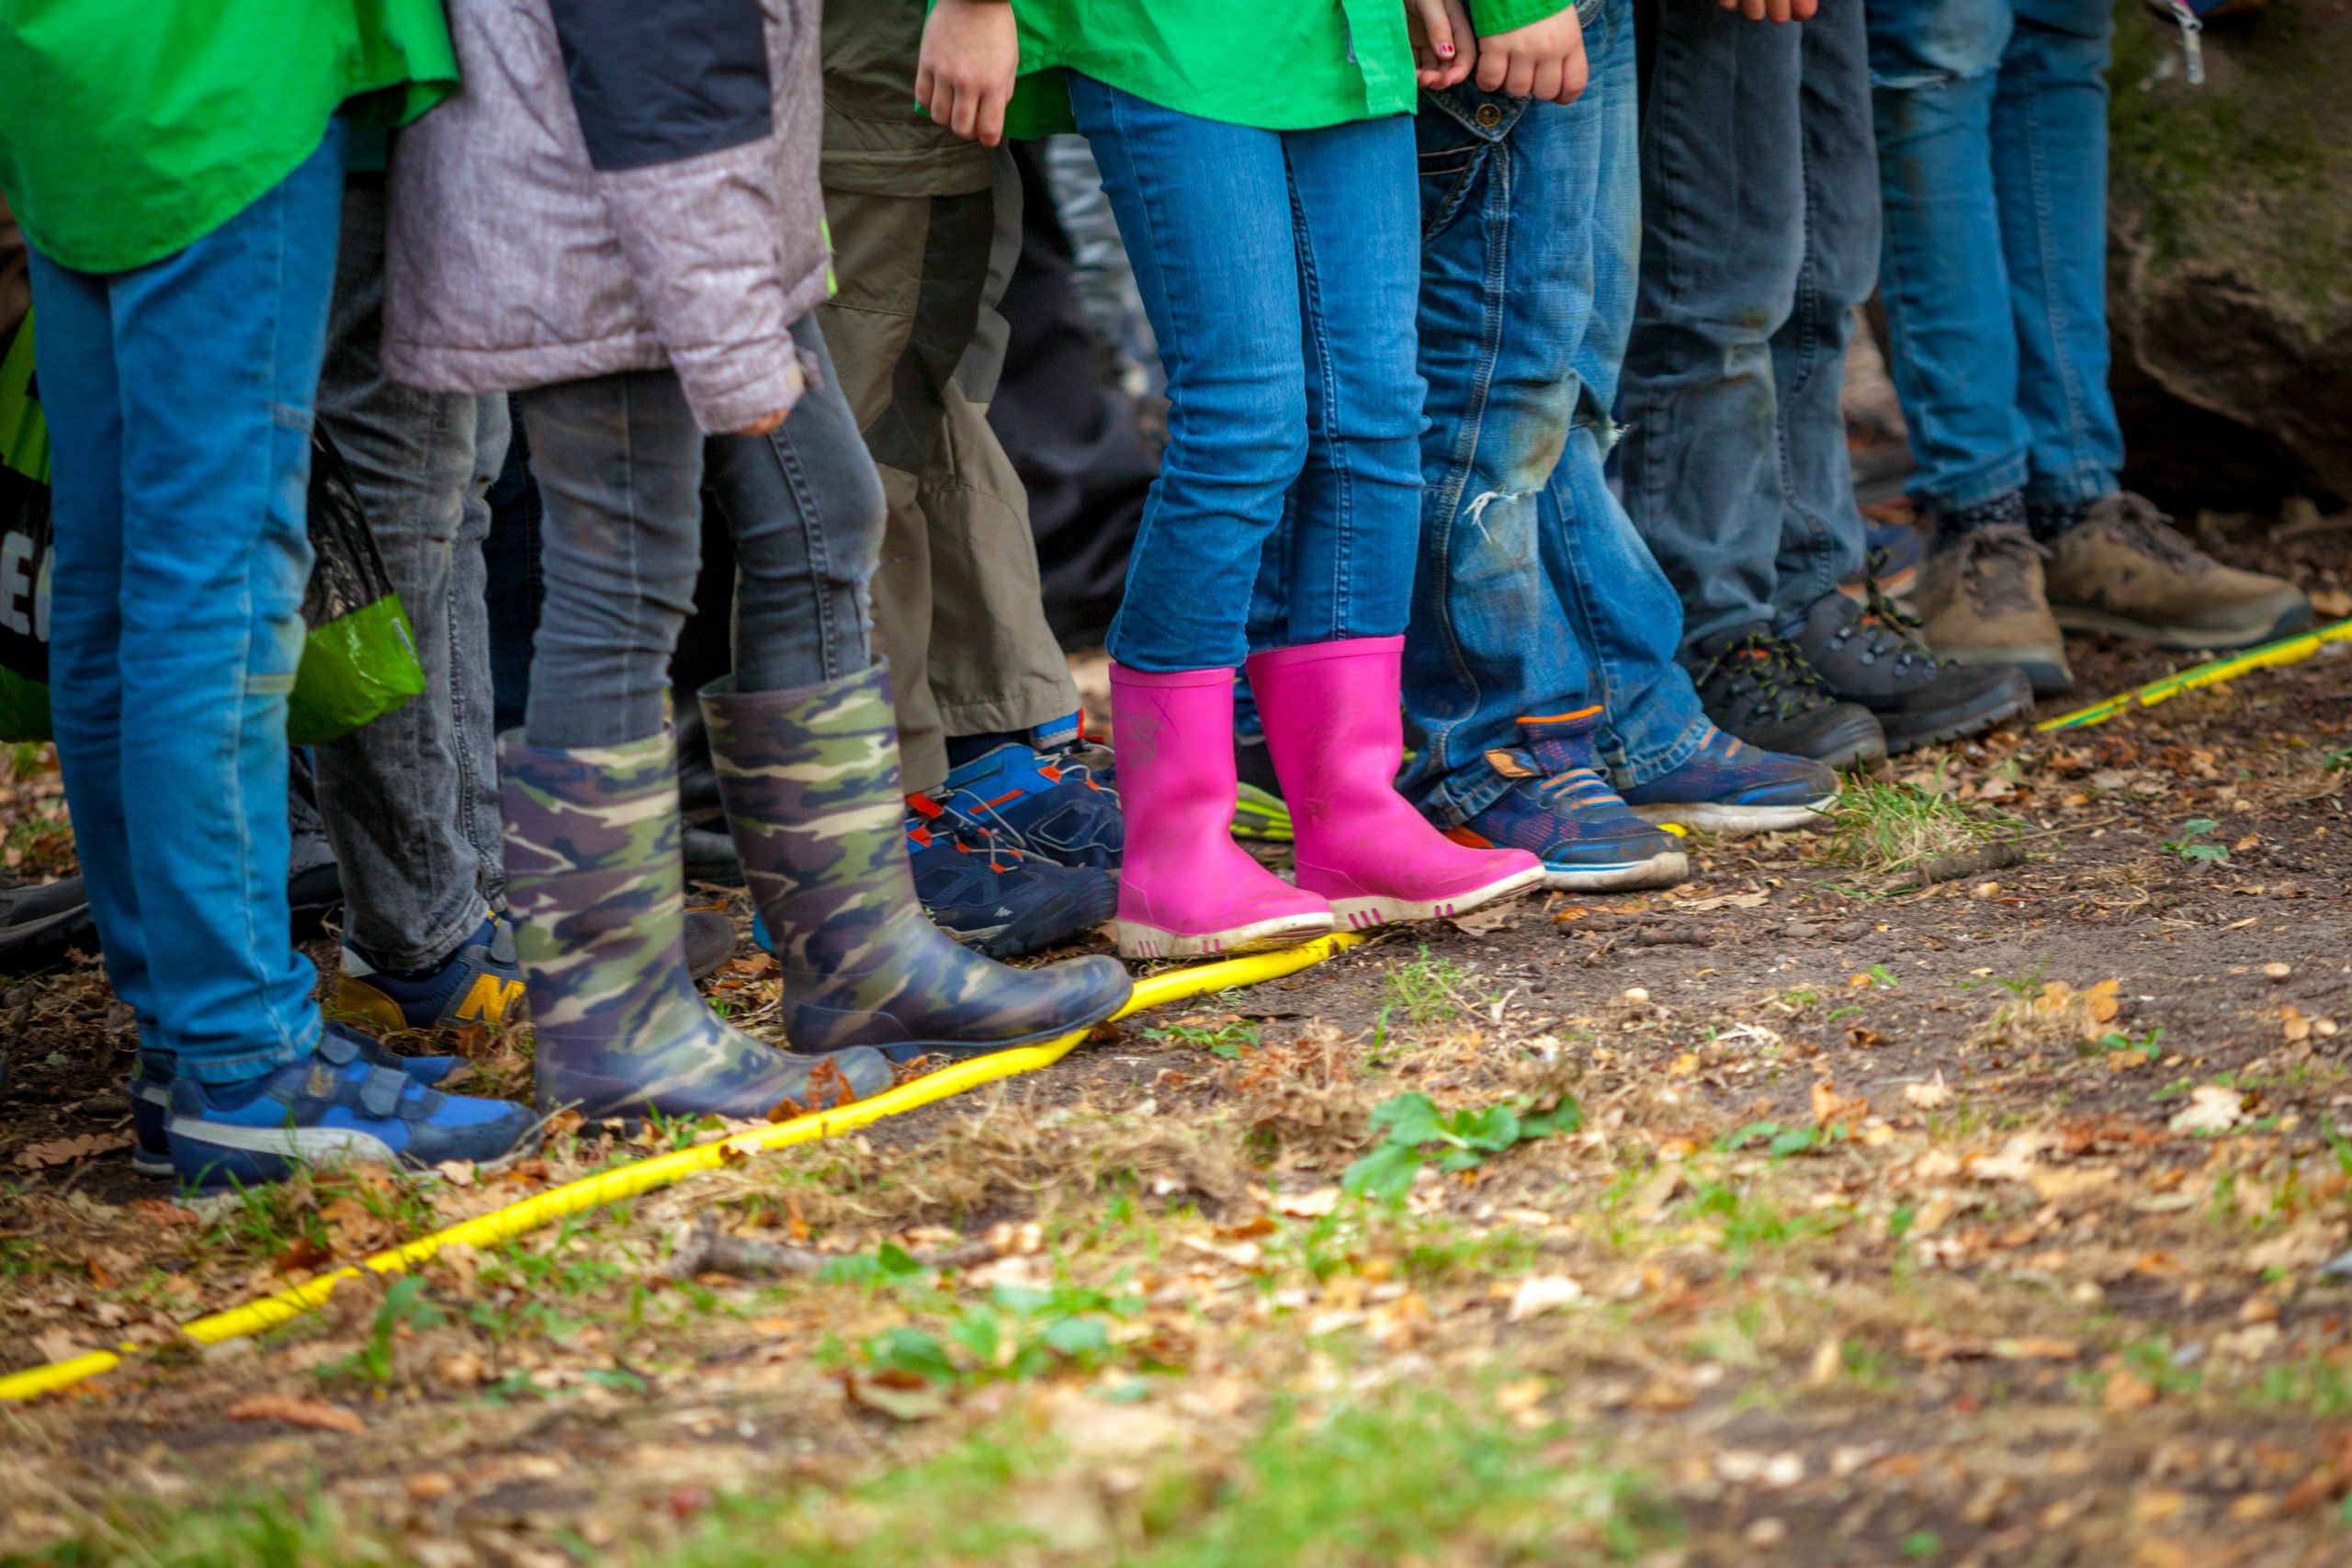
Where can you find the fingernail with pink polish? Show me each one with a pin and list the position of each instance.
(1446, 49)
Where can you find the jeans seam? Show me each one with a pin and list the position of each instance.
(2053, 309)
(812, 549)
(1323, 410)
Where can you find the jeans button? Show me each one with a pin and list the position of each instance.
(1488, 115)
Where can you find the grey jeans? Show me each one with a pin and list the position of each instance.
(621, 467)
(410, 801)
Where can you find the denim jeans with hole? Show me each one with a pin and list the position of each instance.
(410, 801)
(1535, 595)
(1760, 237)
(621, 467)
(1992, 136)
(1278, 268)
(179, 400)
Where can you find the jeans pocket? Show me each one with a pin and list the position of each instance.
(1448, 174)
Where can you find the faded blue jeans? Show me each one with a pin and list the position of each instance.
(179, 403)
(1992, 137)
(1278, 268)
(1535, 595)
(410, 801)
(1760, 237)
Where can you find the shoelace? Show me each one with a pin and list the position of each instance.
(1890, 622)
(2141, 525)
(942, 821)
(1993, 566)
(1774, 667)
(1574, 787)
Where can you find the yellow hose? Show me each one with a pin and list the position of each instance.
(661, 1170)
(2286, 650)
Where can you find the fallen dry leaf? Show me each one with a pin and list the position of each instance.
(1931, 1096)
(1538, 1293)
(315, 1413)
(2211, 1108)
(2125, 1392)
(66, 1151)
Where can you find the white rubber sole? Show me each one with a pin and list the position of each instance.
(1714, 817)
(1137, 940)
(1362, 914)
(1660, 871)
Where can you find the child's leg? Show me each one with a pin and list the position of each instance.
(216, 350)
(82, 396)
(1719, 275)
(1822, 541)
(806, 508)
(618, 461)
(1356, 227)
(1505, 295)
(1205, 208)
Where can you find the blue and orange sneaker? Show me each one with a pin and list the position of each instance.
(1049, 796)
(1559, 807)
(479, 983)
(1729, 786)
(317, 1111)
(151, 1089)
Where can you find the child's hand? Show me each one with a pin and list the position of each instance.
(971, 56)
(1772, 10)
(1444, 46)
(1542, 59)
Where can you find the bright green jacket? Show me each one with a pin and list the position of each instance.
(132, 128)
(1277, 65)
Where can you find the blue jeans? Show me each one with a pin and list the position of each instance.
(1992, 136)
(1535, 595)
(179, 403)
(1278, 268)
(1760, 236)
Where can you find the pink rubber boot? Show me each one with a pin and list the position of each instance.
(1185, 887)
(1337, 736)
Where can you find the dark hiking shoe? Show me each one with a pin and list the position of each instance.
(2125, 570)
(1760, 688)
(1983, 602)
(1869, 657)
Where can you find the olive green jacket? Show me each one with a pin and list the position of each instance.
(877, 139)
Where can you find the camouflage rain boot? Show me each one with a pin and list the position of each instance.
(595, 884)
(810, 778)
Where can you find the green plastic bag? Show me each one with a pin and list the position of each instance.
(359, 660)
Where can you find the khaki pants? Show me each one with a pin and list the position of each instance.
(917, 345)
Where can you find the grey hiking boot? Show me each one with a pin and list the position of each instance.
(593, 881)
(811, 779)
(1981, 601)
(2125, 570)
(1869, 658)
(1758, 687)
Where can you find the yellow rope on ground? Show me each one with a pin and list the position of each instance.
(661, 1170)
(2286, 650)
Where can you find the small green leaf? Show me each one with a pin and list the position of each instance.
(905, 1349)
(1491, 1129)
(1077, 1336)
(1408, 1118)
(1385, 1174)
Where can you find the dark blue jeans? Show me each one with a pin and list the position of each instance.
(179, 397)
(1535, 595)
(1278, 268)
(1992, 135)
(1760, 237)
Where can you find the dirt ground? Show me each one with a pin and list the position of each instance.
(1794, 1215)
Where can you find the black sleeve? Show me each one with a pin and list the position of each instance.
(655, 80)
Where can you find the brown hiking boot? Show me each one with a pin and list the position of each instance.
(1981, 601)
(2124, 569)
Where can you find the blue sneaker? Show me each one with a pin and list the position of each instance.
(988, 894)
(318, 1111)
(1729, 786)
(1560, 808)
(150, 1090)
(479, 983)
(1048, 798)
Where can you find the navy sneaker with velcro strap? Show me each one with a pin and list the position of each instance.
(318, 1111)
(151, 1089)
